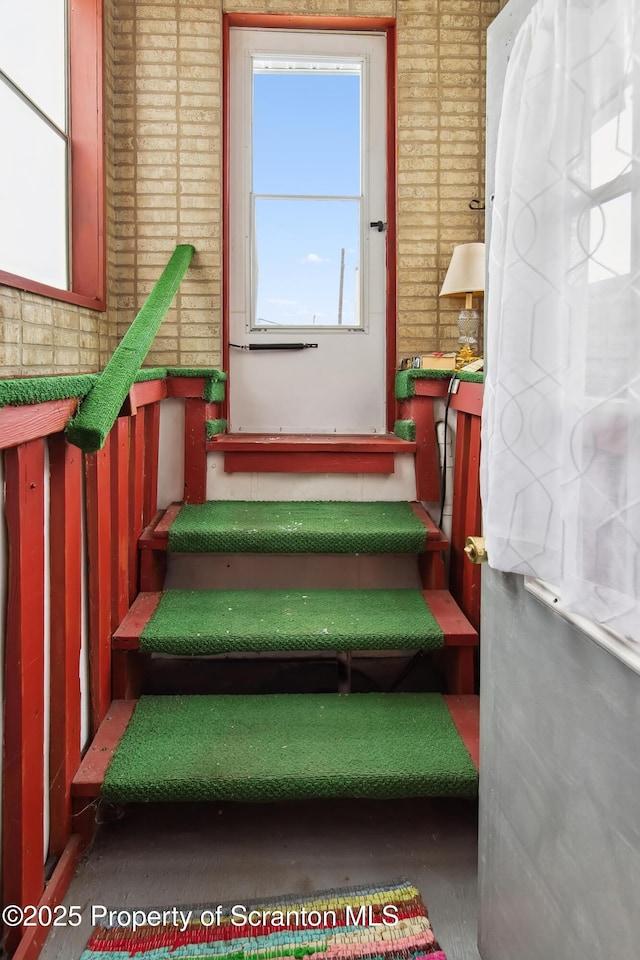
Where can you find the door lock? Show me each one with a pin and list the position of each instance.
(380, 226)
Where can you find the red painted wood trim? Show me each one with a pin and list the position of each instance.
(33, 938)
(471, 573)
(226, 114)
(119, 440)
(153, 566)
(142, 394)
(457, 630)
(161, 529)
(432, 570)
(195, 454)
(469, 398)
(98, 496)
(460, 670)
(88, 268)
(87, 150)
(309, 443)
(313, 462)
(427, 459)
(465, 712)
(436, 539)
(192, 387)
(65, 548)
(266, 21)
(53, 293)
(128, 669)
(430, 388)
(23, 770)
(151, 451)
(21, 424)
(136, 496)
(458, 519)
(466, 516)
(392, 165)
(127, 636)
(90, 776)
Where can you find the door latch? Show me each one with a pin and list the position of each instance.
(476, 550)
(380, 226)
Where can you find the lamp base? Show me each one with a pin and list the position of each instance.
(468, 323)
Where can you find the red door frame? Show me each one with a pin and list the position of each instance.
(384, 25)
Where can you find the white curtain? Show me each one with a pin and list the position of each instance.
(561, 422)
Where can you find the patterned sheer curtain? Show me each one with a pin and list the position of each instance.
(561, 422)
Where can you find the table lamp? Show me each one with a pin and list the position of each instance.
(465, 278)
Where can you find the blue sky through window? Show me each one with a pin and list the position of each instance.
(306, 143)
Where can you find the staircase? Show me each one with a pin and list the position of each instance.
(255, 577)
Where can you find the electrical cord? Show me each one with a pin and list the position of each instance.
(443, 495)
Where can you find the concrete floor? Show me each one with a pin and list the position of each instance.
(166, 855)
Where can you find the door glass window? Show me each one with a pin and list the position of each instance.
(306, 191)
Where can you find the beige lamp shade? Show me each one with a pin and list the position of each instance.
(465, 275)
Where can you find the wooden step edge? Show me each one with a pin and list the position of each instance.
(127, 635)
(465, 713)
(308, 443)
(162, 527)
(436, 540)
(457, 630)
(156, 535)
(88, 781)
(92, 771)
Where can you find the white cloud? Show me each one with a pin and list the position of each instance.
(313, 258)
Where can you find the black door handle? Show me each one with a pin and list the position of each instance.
(381, 227)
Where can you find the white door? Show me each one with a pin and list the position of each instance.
(307, 179)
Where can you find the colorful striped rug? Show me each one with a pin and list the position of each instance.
(387, 922)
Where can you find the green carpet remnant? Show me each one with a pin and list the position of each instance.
(89, 429)
(201, 622)
(215, 427)
(214, 379)
(470, 377)
(20, 391)
(405, 380)
(290, 747)
(297, 527)
(405, 430)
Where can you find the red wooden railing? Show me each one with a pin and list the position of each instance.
(118, 488)
(466, 521)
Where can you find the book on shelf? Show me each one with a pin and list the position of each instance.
(430, 361)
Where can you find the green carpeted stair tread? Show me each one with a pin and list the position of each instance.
(201, 622)
(297, 527)
(290, 746)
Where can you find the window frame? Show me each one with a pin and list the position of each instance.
(86, 243)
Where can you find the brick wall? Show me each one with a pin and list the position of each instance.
(164, 174)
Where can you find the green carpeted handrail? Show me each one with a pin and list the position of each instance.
(406, 379)
(89, 429)
(24, 391)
